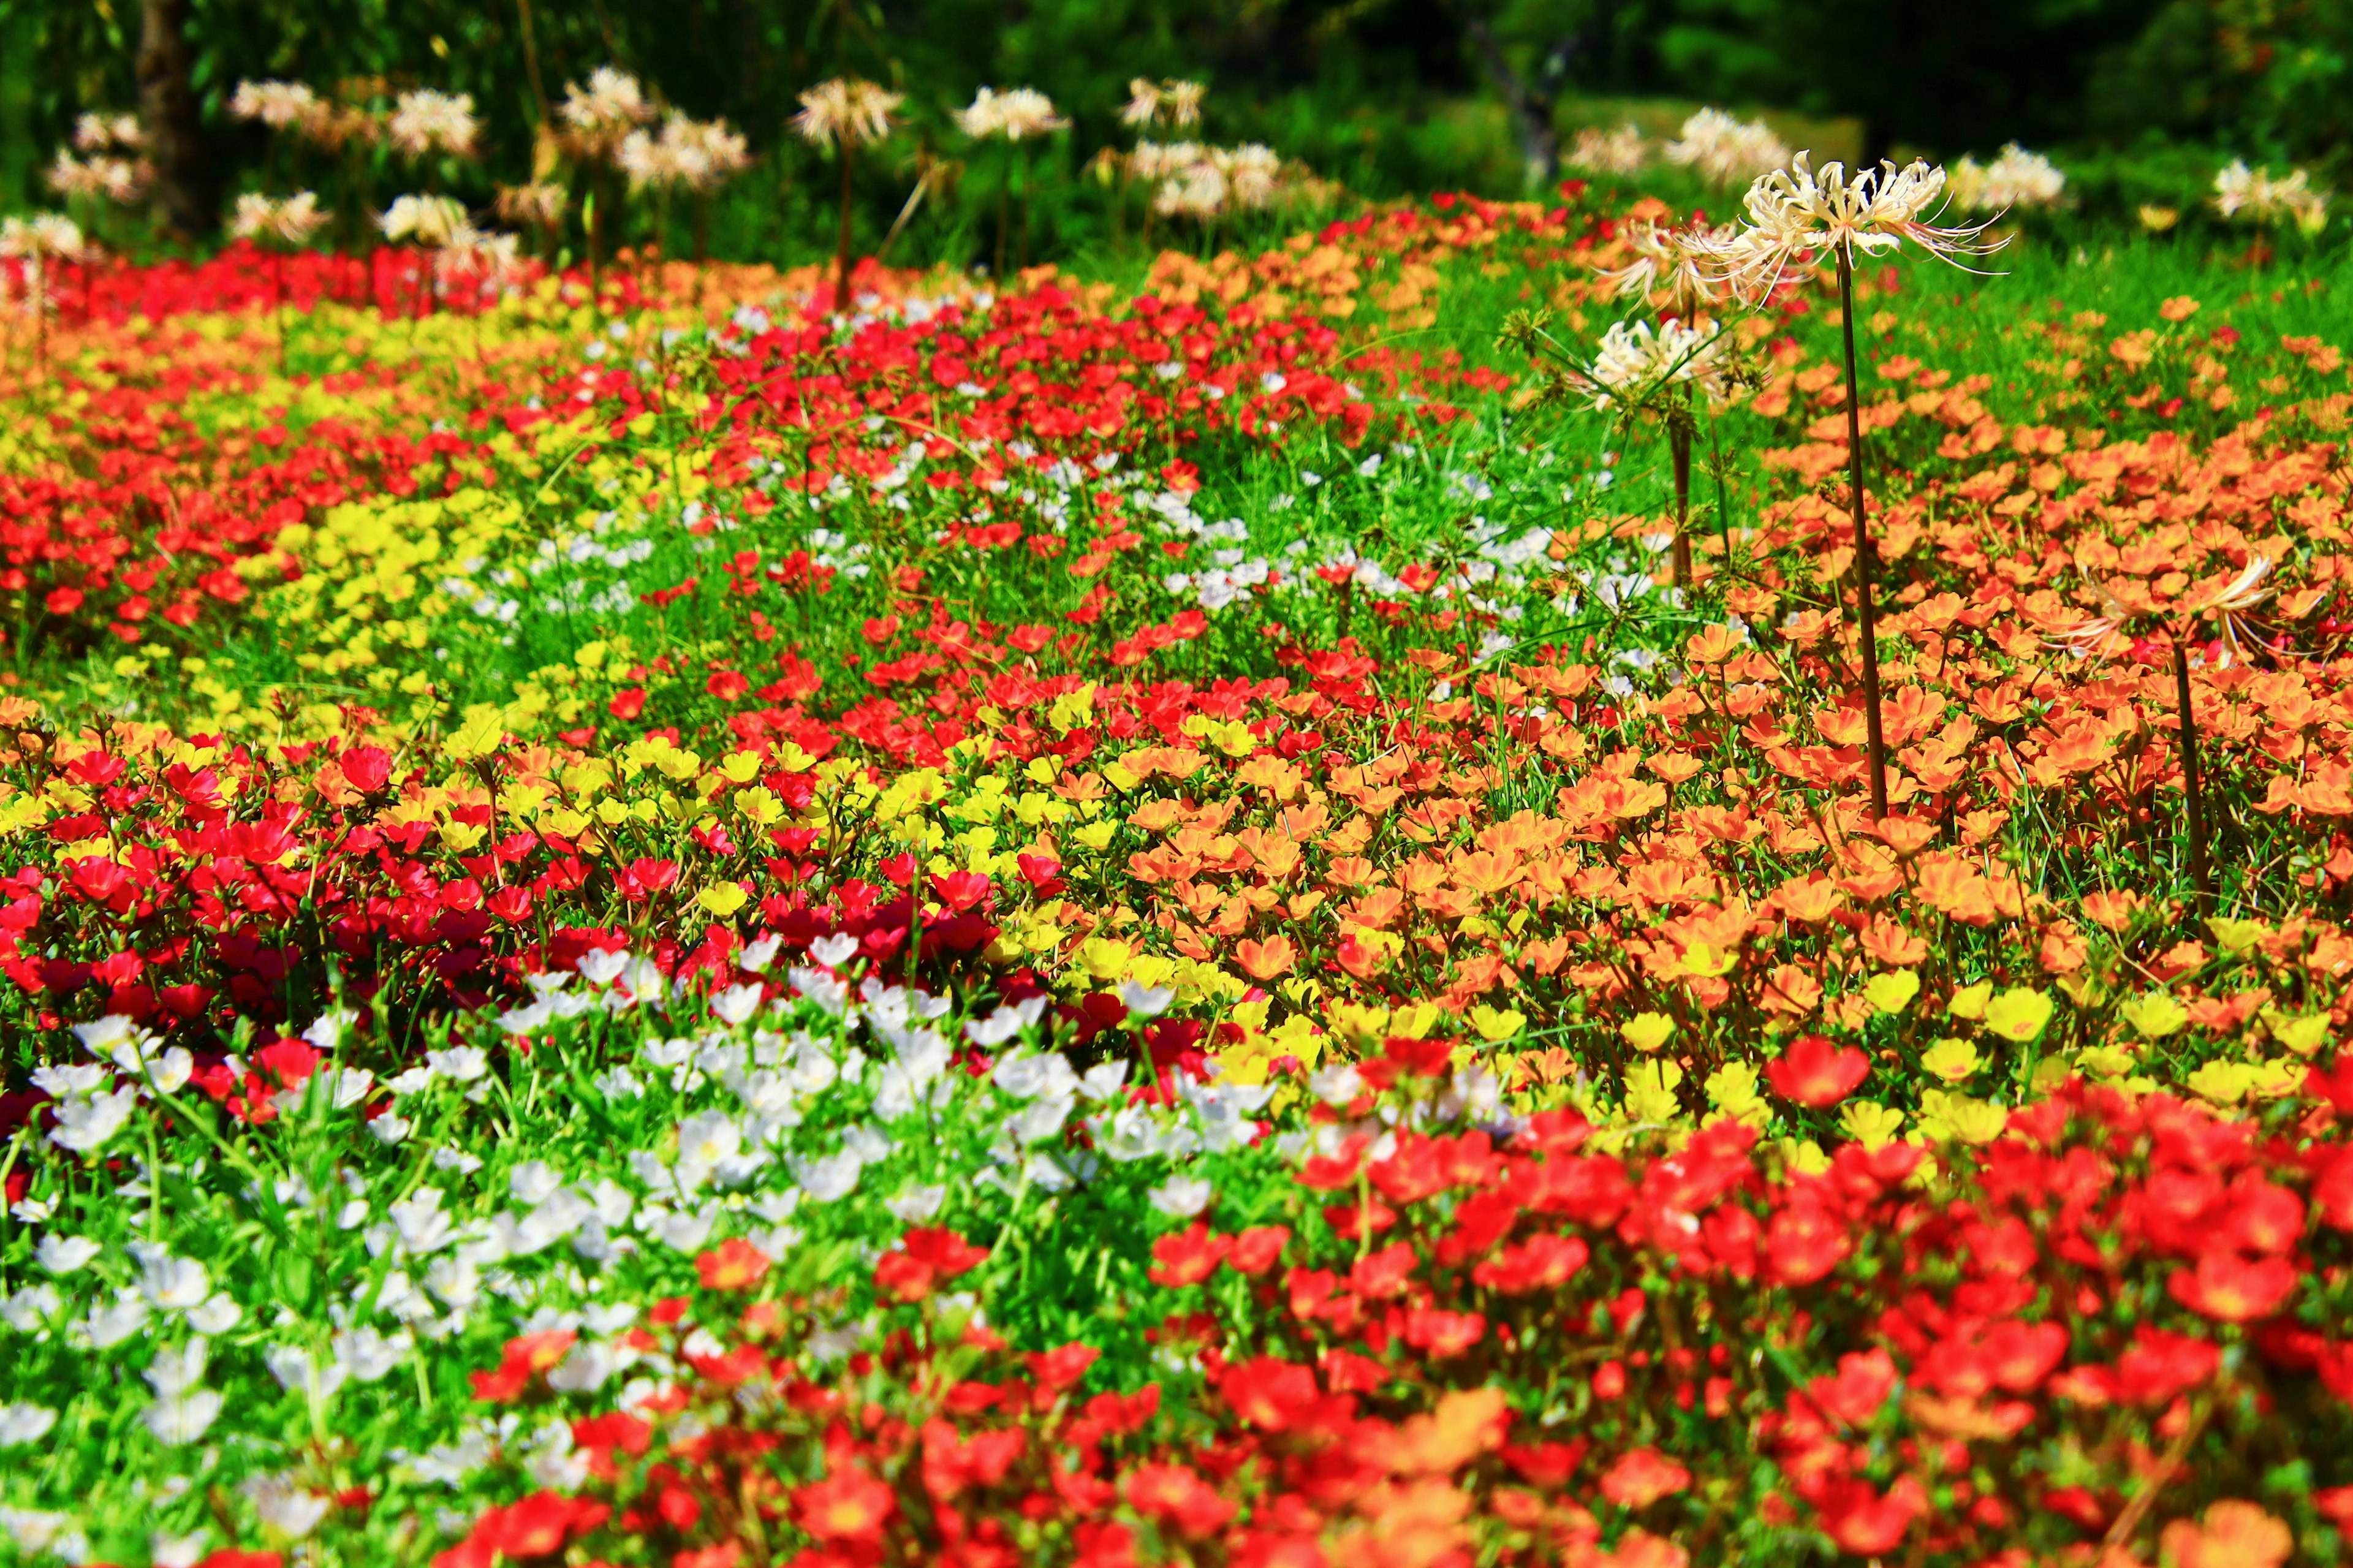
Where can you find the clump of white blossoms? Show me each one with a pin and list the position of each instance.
(846, 111)
(687, 153)
(1800, 215)
(2016, 179)
(1724, 151)
(114, 170)
(1172, 103)
(1016, 115)
(279, 105)
(292, 221)
(1624, 151)
(430, 221)
(597, 116)
(425, 122)
(1681, 267)
(2252, 196)
(1634, 362)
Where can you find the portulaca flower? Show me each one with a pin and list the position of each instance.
(23, 1425)
(65, 1254)
(294, 1511)
(1181, 1197)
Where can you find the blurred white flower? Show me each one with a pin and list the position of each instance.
(85, 1125)
(1181, 1197)
(1725, 150)
(2015, 179)
(292, 1511)
(22, 1424)
(845, 110)
(64, 1254)
(425, 122)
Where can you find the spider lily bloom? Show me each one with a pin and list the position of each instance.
(423, 122)
(292, 221)
(1015, 116)
(1686, 263)
(2252, 196)
(97, 132)
(279, 105)
(1621, 151)
(2230, 602)
(605, 111)
(845, 114)
(2016, 178)
(430, 221)
(1795, 216)
(540, 204)
(1172, 103)
(1725, 150)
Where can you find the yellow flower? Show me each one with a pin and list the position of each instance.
(1497, 1025)
(740, 767)
(2303, 1036)
(1948, 1117)
(2237, 936)
(2018, 1014)
(1650, 1091)
(2155, 1015)
(723, 898)
(1362, 1025)
(1070, 711)
(1969, 1001)
(1804, 1156)
(2222, 1083)
(1891, 992)
(758, 806)
(1871, 1125)
(1097, 835)
(1732, 1091)
(1415, 1023)
(1950, 1059)
(1647, 1032)
(1105, 958)
(459, 837)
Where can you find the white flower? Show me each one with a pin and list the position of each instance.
(414, 1081)
(706, 1141)
(1181, 1197)
(364, 1354)
(424, 121)
(22, 1424)
(64, 1254)
(293, 1511)
(422, 1225)
(1620, 152)
(828, 1179)
(390, 1128)
(34, 1530)
(736, 1004)
(680, 1232)
(1039, 1121)
(430, 221)
(533, 1182)
(1022, 112)
(1028, 1077)
(111, 1325)
(612, 101)
(218, 1315)
(1146, 1000)
(69, 1081)
(642, 979)
(462, 1064)
(603, 966)
(28, 1312)
(759, 952)
(916, 1203)
(584, 1367)
(1103, 1079)
(170, 1283)
(297, 1372)
(834, 950)
(2016, 178)
(1726, 151)
(277, 104)
(293, 222)
(177, 1550)
(1338, 1084)
(845, 110)
(1799, 212)
(1633, 363)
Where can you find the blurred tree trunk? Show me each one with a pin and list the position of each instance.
(1532, 99)
(185, 191)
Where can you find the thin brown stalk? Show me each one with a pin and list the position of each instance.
(841, 254)
(2192, 794)
(1864, 563)
(1679, 448)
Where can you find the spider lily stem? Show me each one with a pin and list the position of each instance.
(1866, 613)
(2193, 802)
(1679, 447)
(841, 254)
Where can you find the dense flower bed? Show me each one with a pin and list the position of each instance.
(1133, 924)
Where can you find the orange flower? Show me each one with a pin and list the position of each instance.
(1641, 1477)
(732, 1264)
(1266, 960)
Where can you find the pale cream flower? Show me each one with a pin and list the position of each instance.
(430, 221)
(1725, 150)
(1142, 102)
(277, 104)
(42, 236)
(292, 221)
(1620, 152)
(2252, 196)
(1181, 101)
(2015, 179)
(847, 111)
(540, 204)
(1634, 363)
(612, 103)
(1798, 214)
(425, 122)
(1688, 263)
(1016, 115)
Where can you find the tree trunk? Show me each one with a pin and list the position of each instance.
(187, 193)
(1530, 101)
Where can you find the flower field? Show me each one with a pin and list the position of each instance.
(1192, 917)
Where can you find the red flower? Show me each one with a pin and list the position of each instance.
(2235, 1289)
(847, 1506)
(732, 1264)
(1177, 1495)
(1443, 1334)
(1257, 1249)
(1641, 1477)
(1863, 1522)
(1187, 1256)
(1804, 1242)
(926, 1256)
(1815, 1072)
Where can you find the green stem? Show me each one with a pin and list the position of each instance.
(1866, 613)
